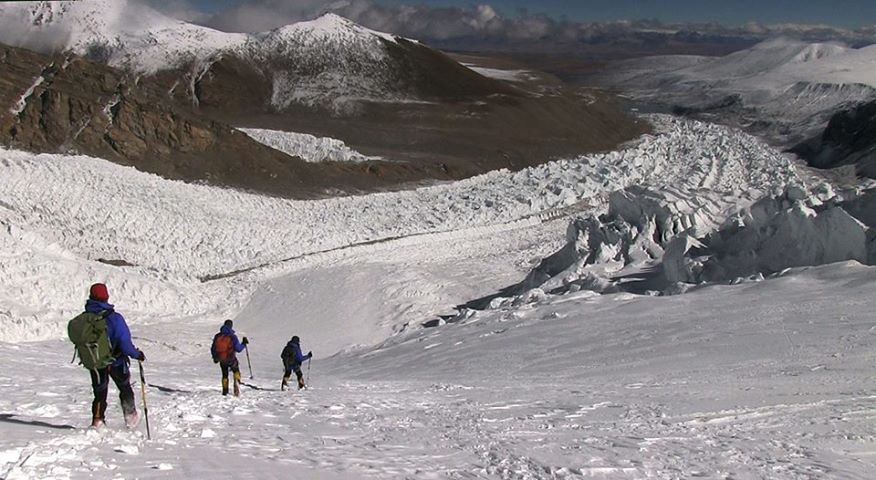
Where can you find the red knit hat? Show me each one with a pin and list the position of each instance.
(98, 292)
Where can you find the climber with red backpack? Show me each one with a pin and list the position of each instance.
(224, 350)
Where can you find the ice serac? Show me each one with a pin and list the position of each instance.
(652, 241)
(784, 236)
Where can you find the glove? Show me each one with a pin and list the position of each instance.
(141, 356)
(245, 341)
(309, 354)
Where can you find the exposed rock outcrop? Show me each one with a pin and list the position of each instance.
(849, 139)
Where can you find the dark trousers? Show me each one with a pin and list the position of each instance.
(294, 367)
(230, 365)
(121, 375)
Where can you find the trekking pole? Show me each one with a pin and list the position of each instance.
(248, 364)
(307, 378)
(143, 392)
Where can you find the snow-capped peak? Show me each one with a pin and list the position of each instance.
(121, 32)
(781, 51)
(331, 28)
(131, 35)
(818, 51)
(770, 56)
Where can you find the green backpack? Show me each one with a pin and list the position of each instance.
(88, 333)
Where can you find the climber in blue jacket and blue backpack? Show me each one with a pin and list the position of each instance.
(292, 360)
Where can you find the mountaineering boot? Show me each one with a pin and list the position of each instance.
(132, 419)
(224, 386)
(97, 415)
(236, 384)
(301, 383)
(284, 384)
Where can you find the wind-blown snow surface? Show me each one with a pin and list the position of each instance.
(760, 380)
(308, 147)
(763, 380)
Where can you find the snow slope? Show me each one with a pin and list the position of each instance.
(772, 58)
(307, 147)
(765, 379)
(762, 380)
(502, 74)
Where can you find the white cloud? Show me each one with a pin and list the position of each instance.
(482, 21)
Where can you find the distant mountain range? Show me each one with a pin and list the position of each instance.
(784, 89)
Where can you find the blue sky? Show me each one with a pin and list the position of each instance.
(845, 13)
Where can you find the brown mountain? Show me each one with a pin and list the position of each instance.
(429, 116)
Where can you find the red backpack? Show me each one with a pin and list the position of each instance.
(223, 347)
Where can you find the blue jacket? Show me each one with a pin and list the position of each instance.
(238, 347)
(292, 354)
(117, 331)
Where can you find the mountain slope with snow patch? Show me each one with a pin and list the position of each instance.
(329, 61)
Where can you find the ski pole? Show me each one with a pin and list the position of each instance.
(143, 392)
(248, 364)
